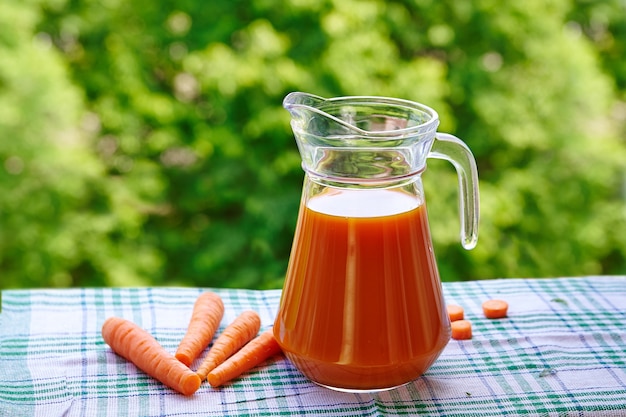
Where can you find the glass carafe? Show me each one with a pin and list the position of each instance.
(362, 307)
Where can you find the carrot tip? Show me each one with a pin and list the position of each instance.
(213, 380)
(191, 385)
(183, 358)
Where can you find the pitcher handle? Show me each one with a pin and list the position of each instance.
(455, 151)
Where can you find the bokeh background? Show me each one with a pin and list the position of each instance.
(144, 143)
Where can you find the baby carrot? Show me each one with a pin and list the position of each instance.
(236, 335)
(455, 312)
(206, 316)
(495, 309)
(137, 346)
(252, 354)
(461, 329)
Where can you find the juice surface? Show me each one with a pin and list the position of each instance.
(362, 306)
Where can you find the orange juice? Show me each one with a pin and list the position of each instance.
(362, 307)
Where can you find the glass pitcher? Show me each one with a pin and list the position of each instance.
(362, 307)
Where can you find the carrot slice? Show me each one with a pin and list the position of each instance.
(251, 355)
(455, 312)
(139, 347)
(206, 316)
(461, 329)
(233, 338)
(495, 309)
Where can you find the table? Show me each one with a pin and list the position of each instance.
(560, 352)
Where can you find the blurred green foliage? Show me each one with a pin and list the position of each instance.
(144, 143)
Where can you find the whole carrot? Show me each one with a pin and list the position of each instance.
(249, 356)
(206, 316)
(137, 346)
(236, 335)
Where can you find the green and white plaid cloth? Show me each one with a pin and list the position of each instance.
(561, 352)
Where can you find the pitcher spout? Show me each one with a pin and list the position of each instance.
(298, 99)
(318, 115)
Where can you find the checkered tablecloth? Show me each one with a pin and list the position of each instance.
(561, 352)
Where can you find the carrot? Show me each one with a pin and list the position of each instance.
(206, 316)
(251, 355)
(233, 338)
(495, 309)
(137, 346)
(455, 312)
(461, 329)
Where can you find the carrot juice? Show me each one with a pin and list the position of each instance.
(362, 307)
